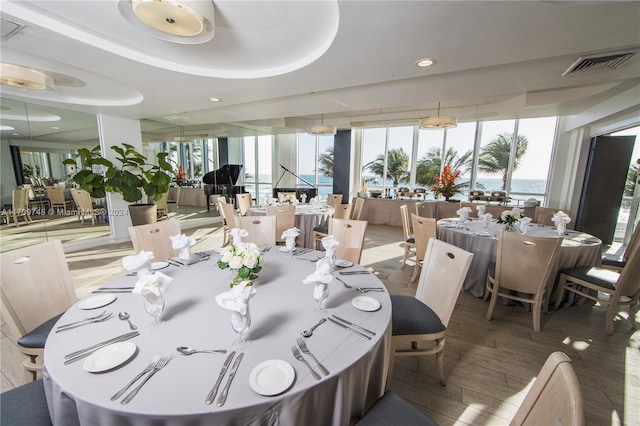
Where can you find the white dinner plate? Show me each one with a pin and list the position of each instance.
(343, 263)
(109, 357)
(365, 303)
(159, 265)
(271, 377)
(97, 301)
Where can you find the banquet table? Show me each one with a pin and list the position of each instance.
(307, 218)
(282, 307)
(578, 249)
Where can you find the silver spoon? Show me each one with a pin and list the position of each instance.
(309, 332)
(186, 350)
(124, 316)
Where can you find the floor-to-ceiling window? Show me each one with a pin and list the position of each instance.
(257, 152)
(315, 162)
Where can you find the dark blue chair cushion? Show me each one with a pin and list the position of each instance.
(323, 227)
(411, 240)
(38, 336)
(598, 276)
(392, 410)
(615, 261)
(411, 316)
(25, 405)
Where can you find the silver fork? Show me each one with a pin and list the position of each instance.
(147, 369)
(83, 320)
(305, 350)
(159, 366)
(71, 327)
(299, 357)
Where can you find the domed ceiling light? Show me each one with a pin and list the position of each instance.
(24, 77)
(438, 122)
(322, 129)
(184, 21)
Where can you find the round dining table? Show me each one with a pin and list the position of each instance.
(281, 309)
(578, 249)
(308, 217)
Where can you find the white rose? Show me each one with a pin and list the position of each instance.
(250, 260)
(226, 255)
(235, 262)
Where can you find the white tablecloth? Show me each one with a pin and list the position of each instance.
(281, 309)
(578, 249)
(307, 218)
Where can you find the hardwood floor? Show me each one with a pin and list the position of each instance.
(490, 365)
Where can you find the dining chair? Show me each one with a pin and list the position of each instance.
(334, 199)
(409, 239)
(162, 206)
(25, 405)
(356, 211)
(19, 206)
(447, 209)
(56, 197)
(285, 219)
(426, 209)
(244, 202)
(37, 196)
(83, 205)
(616, 263)
(350, 234)
(340, 211)
(423, 230)
(229, 219)
(261, 229)
(36, 290)
(156, 238)
(425, 316)
(392, 410)
(543, 215)
(554, 398)
(521, 272)
(613, 288)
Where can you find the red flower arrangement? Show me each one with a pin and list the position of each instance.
(446, 183)
(181, 175)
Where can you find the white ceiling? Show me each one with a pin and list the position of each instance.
(277, 66)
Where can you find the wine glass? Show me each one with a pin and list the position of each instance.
(240, 324)
(321, 294)
(154, 305)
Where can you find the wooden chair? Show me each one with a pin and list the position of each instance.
(162, 207)
(356, 211)
(229, 219)
(56, 198)
(409, 240)
(616, 263)
(285, 219)
(393, 410)
(334, 199)
(243, 201)
(25, 405)
(155, 238)
(19, 206)
(543, 215)
(554, 398)
(523, 265)
(614, 289)
(426, 209)
(424, 318)
(350, 234)
(84, 205)
(261, 229)
(37, 196)
(423, 230)
(341, 211)
(36, 290)
(174, 201)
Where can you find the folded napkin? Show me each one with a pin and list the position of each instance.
(289, 237)
(183, 243)
(264, 200)
(485, 220)
(237, 299)
(518, 210)
(464, 213)
(152, 286)
(237, 234)
(322, 274)
(303, 198)
(561, 219)
(329, 242)
(523, 224)
(481, 209)
(140, 263)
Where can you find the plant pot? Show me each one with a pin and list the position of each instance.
(143, 214)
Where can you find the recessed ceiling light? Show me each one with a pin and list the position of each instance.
(55, 128)
(24, 77)
(426, 62)
(214, 99)
(4, 127)
(15, 134)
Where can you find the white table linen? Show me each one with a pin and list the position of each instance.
(281, 309)
(307, 218)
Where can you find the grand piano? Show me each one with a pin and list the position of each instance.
(310, 192)
(223, 182)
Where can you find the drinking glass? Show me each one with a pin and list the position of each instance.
(154, 305)
(240, 324)
(321, 294)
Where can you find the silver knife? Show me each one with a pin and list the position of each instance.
(214, 389)
(225, 390)
(106, 342)
(354, 325)
(101, 345)
(353, 330)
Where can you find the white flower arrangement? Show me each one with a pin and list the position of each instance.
(510, 217)
(246, 258)
(289, 198)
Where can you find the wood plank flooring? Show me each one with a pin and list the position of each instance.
(490, 365)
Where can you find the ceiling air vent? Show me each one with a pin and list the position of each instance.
(9, 28)
(598, 62)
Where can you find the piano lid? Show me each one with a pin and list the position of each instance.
(225, 175)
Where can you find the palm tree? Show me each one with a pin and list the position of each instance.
(632, 177)
(325, 161)
(397, 166)
(428, 167)
(494, 157)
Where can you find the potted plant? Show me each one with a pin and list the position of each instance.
(132, 178)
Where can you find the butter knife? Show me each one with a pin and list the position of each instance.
(214, 389)
(353, 330)
(225, 390)
(354, 325)
(106, 342)
(102, 345)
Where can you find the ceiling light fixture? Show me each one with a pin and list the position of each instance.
(214, 99)
(426, 62)
(181, 138)
(439, 122)
(24, 77)
(322, 129)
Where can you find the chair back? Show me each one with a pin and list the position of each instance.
(426, 209)
(176, 194)
(228, 213)
(443, 272)
(83, 199)
(554, 398)
(350, 234)
(629, 282)
(55, 194)
(20, 199)
(633, 242)
(406, 227)
(155, 237)
(357, 208)
(447, 209)
(342, 211)
(543, 215)
(285, 218)
(261, 229)
(334, 199)
(523, 262)
(424, 229)
(36, 286)
(244, 202)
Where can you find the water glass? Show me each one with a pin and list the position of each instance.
(321, 295)
(154, 305)
(240, 324)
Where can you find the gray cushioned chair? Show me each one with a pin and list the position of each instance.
(25, 405)
(392, 410)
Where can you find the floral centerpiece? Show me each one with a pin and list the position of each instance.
(289, 199)
(180, 176)
(446, 183)
(509, 219)
(244, 258)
